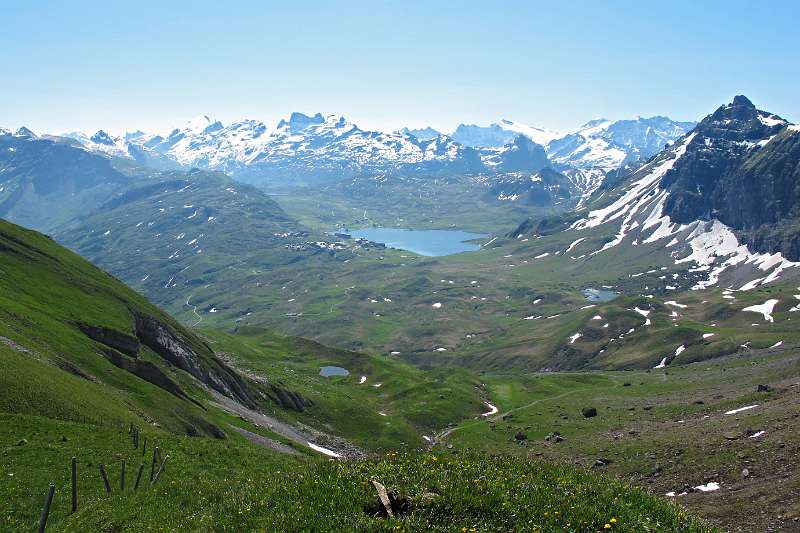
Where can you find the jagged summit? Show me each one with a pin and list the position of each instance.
(24, 132)
(102, 137)
(741, 100)
(299, 121)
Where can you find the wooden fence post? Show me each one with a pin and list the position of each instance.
(161, 469)
(46, 509)
(153, 464)
(144, 445)
(138, 477)
(74, 468)
(105, 479)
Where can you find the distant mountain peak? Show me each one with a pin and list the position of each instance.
(299, 121)
(741, 100)
(423, 134)
(102, 137)
(596, 122)
(25, 132)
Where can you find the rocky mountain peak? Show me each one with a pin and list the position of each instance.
(298, 121)
(741, 100)
(102, 137)
(24, 132)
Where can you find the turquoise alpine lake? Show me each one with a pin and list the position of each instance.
(433, 242)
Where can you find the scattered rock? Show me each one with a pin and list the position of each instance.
(589, 412)
(555, 436)
(746, 473)
(730, 436)
(763, 388)
(389, 505)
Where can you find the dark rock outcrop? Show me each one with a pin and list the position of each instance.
(149, 372)
(289, 399)
(127, 344)
(177, 350)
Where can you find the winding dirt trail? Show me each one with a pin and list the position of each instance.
(194, 310)
(444, 434)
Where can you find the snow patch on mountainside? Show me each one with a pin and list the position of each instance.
(713, 246)
(608, 144)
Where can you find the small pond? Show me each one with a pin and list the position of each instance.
(599, 295)
(328, 371)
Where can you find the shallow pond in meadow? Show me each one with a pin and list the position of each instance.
(599, 295)
(328, 371)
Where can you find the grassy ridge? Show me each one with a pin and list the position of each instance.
(214, 486)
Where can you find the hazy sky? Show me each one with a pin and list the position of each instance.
(149, 65)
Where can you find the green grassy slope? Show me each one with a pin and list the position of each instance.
(61, 397)
(48, 295)
(210, 485)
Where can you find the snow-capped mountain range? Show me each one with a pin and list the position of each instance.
(721, 202)
(312, 149)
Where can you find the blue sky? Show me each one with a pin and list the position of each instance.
(149, 65)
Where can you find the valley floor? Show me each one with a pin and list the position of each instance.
(730, 422)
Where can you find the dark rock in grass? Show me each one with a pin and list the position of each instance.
(626, 384)
(520, 436)
(217, 432)
(698, 402)
(764, 388)
(555, 436)
(289, 399)
(22, 442)
(589, 412)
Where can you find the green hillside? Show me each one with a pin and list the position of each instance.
(81, 366)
